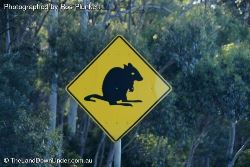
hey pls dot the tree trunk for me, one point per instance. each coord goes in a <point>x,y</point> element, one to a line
<point>72,117</point>
<point>52,31</point>
<point>191,155</point>
<point>231,138</point>
<point>207,161</point>
<point>110,155</point>
<point>107,15</point>
<point>247,13</point>
<point>84,133</point>
<point>102,154</point>
<point>99,149</point>
<point>84,18</point>
<point>61,108</point>
<point>53,103</point>
<point>231,142</point>
<point>117,155</point>
<point>129,16</point>
<point>194,146</point>
<point>8,31</point>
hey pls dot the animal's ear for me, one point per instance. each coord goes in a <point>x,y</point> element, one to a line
<point>125,66</point>
<point>130,65</point>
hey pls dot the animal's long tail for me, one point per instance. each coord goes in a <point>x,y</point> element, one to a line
<point>89,97</point>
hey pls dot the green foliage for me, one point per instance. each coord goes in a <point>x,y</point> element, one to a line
<point>186,39</point>
<point>23,129</point>
<point>151,150</point>
<point>244,159</point>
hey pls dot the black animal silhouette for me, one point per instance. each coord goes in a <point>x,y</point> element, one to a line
<point>117,82</point>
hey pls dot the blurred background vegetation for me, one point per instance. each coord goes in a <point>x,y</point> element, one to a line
<point>202,47</point>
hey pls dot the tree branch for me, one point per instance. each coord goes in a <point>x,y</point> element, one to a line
<point>131,140</point>
<point>41,23</point>
<point>236,156</point>
<point>169,63</point>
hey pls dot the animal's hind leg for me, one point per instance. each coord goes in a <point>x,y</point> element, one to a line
<point>112,103</point>
<point>132,101</point>
<point>124,104</point>
<point>124,99</point>
<point>121,104</point>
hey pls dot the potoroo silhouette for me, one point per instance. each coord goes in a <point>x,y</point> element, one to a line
<point>117,82</point>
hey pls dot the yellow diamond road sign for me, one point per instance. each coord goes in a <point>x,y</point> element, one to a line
<point>118,88</point>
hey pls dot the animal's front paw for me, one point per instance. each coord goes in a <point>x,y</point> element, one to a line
<point>128,104</point>
<point>131,89</point>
